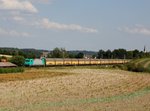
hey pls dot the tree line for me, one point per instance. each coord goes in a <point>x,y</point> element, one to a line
<point>101,54</point>
<point>122,54</point>
<point>26,53</point>
<point>63,53</point>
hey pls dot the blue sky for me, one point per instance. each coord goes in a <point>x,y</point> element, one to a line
<point>75,24</point>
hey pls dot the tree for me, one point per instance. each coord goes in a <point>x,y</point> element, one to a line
<point>70,55</point>
<point>80,55</point>
<point>59,53</point>
<point>120,53</point>
<point>94,56</point>
<point>101,54</point>
<point>64,53</point>
<point>108,54</point>
<point>56,53</point>
<point>129,54</point>
<point>18,60</point>
<point>136,53</point>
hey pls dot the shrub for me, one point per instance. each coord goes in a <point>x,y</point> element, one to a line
<point>122,67</point>
<point>18,60</point>
<point>11,70</point>
<point>138,65</point>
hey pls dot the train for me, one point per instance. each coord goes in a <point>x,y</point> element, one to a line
<point>72,62</point>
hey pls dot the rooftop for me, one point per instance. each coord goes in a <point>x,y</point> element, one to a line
<point>7,64</point>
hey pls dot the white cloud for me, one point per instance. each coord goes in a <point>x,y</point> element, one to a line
<point>45,23</point>
<point>13,33</point>
<point>17,5</point>
<point>138,29</point>
<point>42,1</point>
<point>18,18</point>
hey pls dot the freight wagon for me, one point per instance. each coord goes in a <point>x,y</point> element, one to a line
<point>60,62</point>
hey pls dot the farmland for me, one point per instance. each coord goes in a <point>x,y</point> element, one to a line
<point>75,89</point>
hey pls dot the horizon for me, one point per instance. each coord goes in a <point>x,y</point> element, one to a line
<point>75,25</point>
<point>72,49</point>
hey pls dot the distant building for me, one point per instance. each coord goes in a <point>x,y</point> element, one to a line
<point>144,49</point>
<point>7,56</point>
<point>45,54</point>
<point>87,56</point>
<point>7,64</point>
<point>4,58</point>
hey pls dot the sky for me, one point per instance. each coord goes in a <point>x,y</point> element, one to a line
<point>75,24</point>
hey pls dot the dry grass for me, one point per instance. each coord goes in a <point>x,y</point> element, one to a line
<point>30,74</point>
<point>76,89</point>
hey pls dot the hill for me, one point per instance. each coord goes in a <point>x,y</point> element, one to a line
<point>139,65</point>
<point>27,53</point>
<point>36,53</point>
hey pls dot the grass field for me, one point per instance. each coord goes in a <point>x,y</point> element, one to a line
<point>75,89</point>
<point>139,65</point>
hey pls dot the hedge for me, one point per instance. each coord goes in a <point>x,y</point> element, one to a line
<point>11,70</point>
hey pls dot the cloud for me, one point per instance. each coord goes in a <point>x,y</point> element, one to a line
<point>42,1</point>
<point>137,29</point>
<point>45,23</point>
<point>17,5</point>
<point>13,33</point>
<point>18,18</point>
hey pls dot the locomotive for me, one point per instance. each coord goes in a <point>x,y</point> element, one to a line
<point>35,62</point>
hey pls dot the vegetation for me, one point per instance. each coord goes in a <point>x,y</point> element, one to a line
<point>79,55</point>
<point>18,60</point>
<point>26,53</point>
<point>138,65</point>
<point>11,70</point>
<point>58,53</point>
<point>62,53</point>
<point>101,54</point>
<point>3,58</point>
<point>122,54</point>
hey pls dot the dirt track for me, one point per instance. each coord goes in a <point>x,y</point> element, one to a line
<point>78,90</point>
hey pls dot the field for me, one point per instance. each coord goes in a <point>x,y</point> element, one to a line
<point>75,89</point>
<point>140,65</point>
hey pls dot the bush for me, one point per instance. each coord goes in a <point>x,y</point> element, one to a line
<point>136,67</point>
<point>130,66</point>
<point>18,60</point>
<point>11,70</point>
<point>122,67</point>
